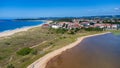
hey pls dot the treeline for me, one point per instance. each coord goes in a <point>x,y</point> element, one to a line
<point>112,22</point>
<point>115,21</point>
<point>63,20</point>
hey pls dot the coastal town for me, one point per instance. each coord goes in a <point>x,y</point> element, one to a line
<point>33,43</point>
<point>59,33</point>
<point>109,24</point>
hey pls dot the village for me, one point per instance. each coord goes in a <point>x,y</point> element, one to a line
<point>85,23</point>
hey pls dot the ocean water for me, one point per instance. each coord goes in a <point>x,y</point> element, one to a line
<point>11,25</point>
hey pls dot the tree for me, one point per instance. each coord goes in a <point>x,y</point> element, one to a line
<point>63,25</point>
<point>76,29</point>
<point>64,20</point>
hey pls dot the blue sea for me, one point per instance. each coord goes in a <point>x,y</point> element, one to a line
<point>11,25</point>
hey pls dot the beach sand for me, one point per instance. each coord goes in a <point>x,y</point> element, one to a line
<point>42,62</point>
<point>11,32</point>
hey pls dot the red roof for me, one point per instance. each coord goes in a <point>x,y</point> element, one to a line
<point>108,25</point>
<point>45,25</point>
<point>84,22</point>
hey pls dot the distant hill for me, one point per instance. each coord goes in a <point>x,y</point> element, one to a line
<point>87,17</point>
<point>56,18</point>
<point>102,17</point>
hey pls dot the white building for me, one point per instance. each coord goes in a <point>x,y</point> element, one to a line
<point>114,26</point>
<point>55,26</point>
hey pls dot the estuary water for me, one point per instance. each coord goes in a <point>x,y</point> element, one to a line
<point>101,51</point>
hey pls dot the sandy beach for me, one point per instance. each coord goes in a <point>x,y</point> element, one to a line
<point>42,62</point>
<point>11,32</point>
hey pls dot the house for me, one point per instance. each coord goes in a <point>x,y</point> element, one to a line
<point>99,25</point>
<point>77,25</point>
<point>108,26</point>
<point>114,26</point>
<point>63,24</point>
<point>76,20</point>
<point>55,26</point>
<point>46,26</point>
<point>73,25</point>
<point>85,24</point>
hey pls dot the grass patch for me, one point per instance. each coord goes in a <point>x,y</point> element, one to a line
<point>115,32</point>
<point>54,39</point>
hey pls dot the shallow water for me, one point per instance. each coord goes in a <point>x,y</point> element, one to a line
<point>95,52</point>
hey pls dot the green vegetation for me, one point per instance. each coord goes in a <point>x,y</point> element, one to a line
<point>23,48</point>
<point>59,31</point>
<point>34,52</point>
<point>63,20</point>
<point>93,29</point>
<point>115,32</point>
<point>24,51</point>
<point>10,66</point>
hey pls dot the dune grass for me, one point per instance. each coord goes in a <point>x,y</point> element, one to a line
<point>9,46</point>
<point>115,32</point>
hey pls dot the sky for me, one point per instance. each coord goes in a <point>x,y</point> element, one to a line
<point>57,8</point>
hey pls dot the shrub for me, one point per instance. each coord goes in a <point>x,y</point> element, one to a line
<point>76,29</point>
<point>10,66</point>
<point>7,43</point>
<point>61,30</point>
<point>51,43</point>
<point>93,29</point>
<point>34,52</point>
<point>1,58</point>
<point>71,32</point>
<point>24,51</point>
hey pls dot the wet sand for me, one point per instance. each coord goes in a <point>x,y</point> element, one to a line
<point>101,51</point>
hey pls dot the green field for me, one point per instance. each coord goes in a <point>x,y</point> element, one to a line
<point>40,40</point>
<point>115,32</point>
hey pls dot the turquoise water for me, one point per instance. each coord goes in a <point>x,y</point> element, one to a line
<point>11,25</point>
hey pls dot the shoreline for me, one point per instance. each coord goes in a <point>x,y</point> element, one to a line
<point>42,62</point>
<point>11,32</point>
